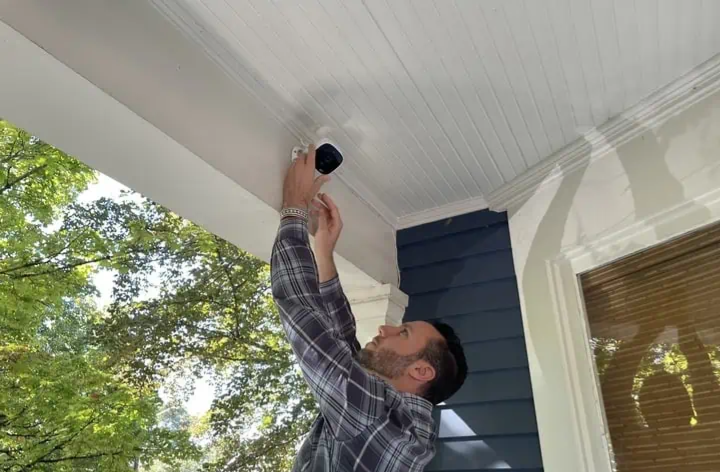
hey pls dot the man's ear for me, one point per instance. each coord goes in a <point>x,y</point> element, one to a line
<point>422,371</point>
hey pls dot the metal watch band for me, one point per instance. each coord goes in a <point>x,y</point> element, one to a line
<point>294,212</point>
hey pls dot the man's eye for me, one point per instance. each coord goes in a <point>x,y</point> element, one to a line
<point>404,332</point>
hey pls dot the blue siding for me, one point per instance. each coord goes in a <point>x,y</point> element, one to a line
<point>460,271</point>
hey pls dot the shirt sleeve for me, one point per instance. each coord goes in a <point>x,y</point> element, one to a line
<point>339,311</point>
<point>348,397</point>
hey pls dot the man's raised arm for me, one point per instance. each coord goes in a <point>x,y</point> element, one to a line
<point>329,227</point>
<point>349,398</point>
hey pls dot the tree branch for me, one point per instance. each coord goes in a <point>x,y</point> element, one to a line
<point>233,288</point>
<point>226,270</point>
<point>62,268</point>
<point>13,153</point>
<point>77,458</point>
<point>57,447</point>
<point>8,185</point>
<point>43,260</point>
<point>77,264</point>
<point>233,465</point>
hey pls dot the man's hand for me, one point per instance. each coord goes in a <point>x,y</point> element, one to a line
<point>329,227</point>
<point>300,182</point>
<point>329,224</point>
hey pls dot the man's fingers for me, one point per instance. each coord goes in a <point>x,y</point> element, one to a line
<point>318,204</point>
<point>310,157</point>
<point>328,201</point>
<point>320,215</point>
<point>318,184</point>
<point>330,204</point>
<point>319,208</point>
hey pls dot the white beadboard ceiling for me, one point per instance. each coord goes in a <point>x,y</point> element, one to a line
<point>436,103</point>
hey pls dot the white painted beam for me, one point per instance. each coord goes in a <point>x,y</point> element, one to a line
<point>114,84</point>
<point>376,306</point>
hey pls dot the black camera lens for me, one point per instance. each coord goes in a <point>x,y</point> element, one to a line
<point>327,158</point>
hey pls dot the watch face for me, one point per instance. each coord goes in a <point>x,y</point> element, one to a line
<point>327,158</point>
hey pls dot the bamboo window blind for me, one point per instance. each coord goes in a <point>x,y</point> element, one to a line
<point>654,321</point>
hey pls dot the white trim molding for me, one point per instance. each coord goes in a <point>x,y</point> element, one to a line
<point>658,107</point>
<point>379,292</point>
<point>441,212</point>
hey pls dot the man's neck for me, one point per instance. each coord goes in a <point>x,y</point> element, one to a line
<point>398,384</point>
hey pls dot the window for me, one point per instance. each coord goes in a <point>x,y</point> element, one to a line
<point>654,321</point>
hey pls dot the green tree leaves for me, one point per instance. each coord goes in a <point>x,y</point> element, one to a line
<point>64,413</point>
<point>214,316</point>
<point>62,405</point>
<point>79,387</point>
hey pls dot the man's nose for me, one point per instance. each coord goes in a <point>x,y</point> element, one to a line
<point>386,330</point>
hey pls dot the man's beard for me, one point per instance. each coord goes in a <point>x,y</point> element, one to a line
<point>384,362</point>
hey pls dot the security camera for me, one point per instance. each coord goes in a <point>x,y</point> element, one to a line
<point>327,156</point>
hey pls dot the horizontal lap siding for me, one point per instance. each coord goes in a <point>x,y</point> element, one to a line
<point>460,271</point>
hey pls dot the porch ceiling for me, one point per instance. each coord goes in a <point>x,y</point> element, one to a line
<point>438,103</point>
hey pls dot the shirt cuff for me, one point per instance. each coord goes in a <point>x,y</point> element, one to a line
<point>294,228</point>
<point>330,286</point>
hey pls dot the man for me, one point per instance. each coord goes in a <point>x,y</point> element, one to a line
<point>375,403</point>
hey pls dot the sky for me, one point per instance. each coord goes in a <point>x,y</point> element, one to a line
<point>200,401</point>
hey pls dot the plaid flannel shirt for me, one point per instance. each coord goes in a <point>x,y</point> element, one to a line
<point>364,423</point>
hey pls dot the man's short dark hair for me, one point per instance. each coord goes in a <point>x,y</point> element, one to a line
<point>448,359</point>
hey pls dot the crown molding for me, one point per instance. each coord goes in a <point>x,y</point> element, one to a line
<point>438,213</point>
<point>652,111</point>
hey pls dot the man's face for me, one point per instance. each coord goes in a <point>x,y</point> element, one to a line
<point>396,349</point>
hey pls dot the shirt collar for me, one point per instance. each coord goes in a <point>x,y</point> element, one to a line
<point>417,404</point>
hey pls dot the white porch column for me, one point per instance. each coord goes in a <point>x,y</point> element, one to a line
<point>376,306</point>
